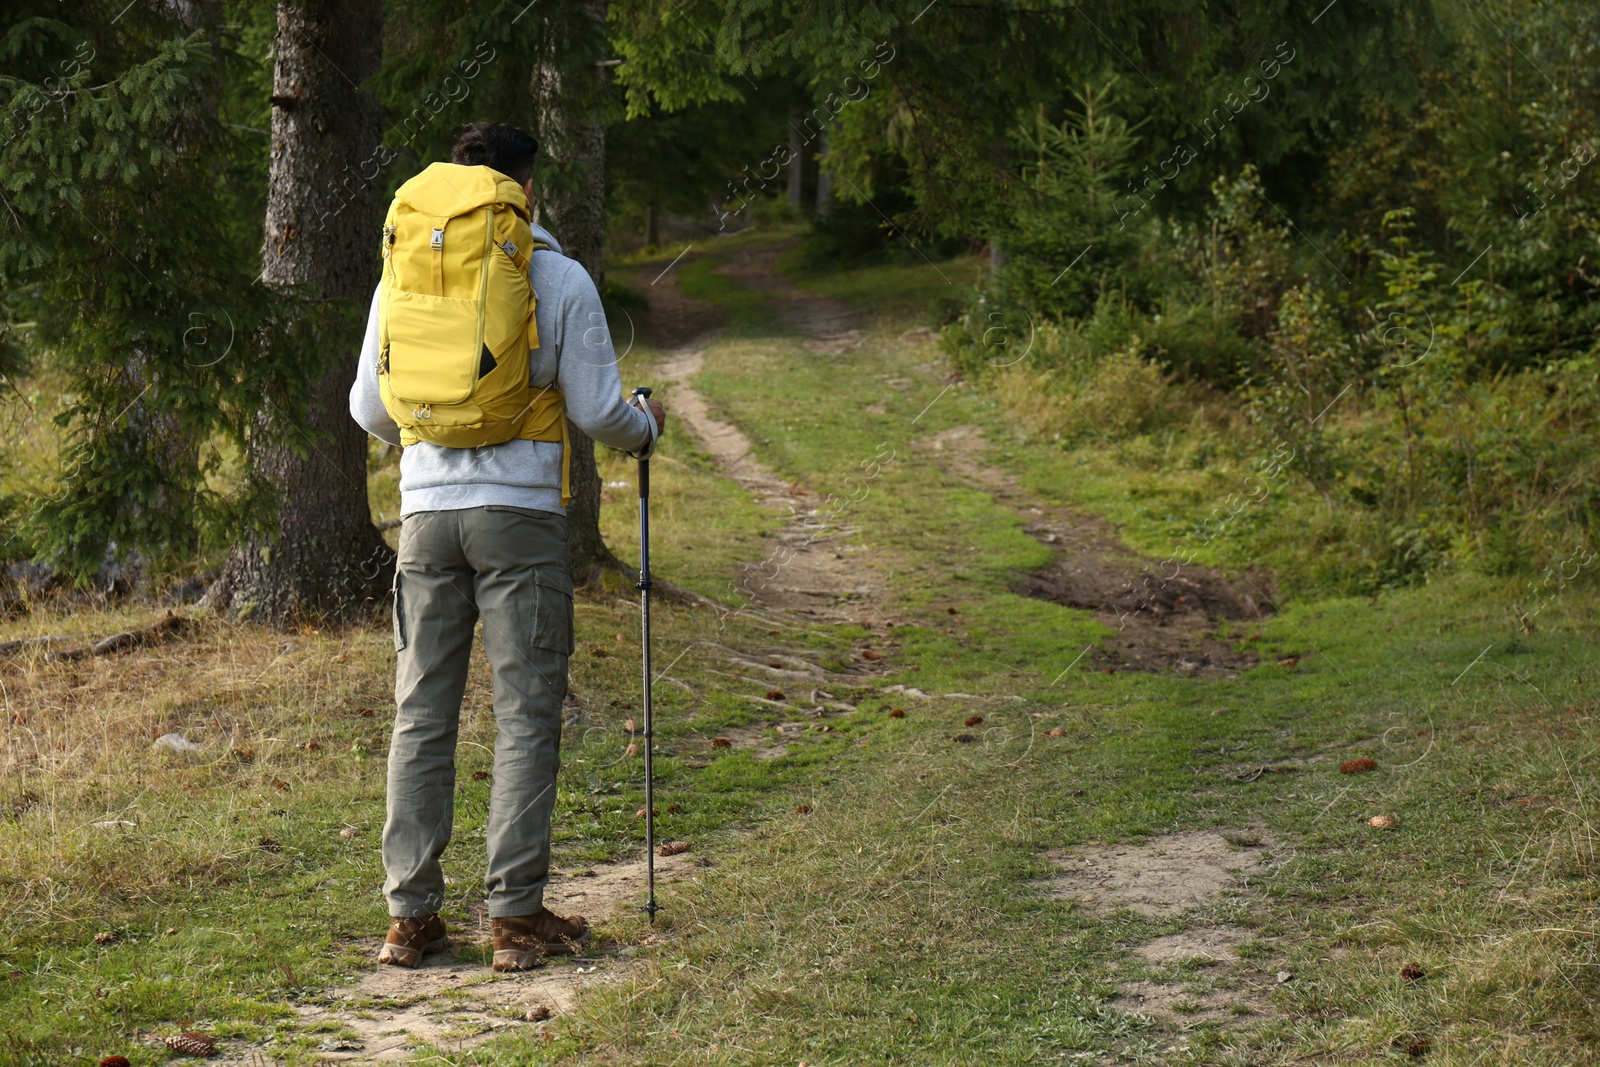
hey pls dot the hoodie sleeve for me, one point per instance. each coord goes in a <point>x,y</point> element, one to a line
<point>366,407</point>
<point>587,373</point>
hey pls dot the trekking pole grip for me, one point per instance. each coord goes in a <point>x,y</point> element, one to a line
<point>642,393</point>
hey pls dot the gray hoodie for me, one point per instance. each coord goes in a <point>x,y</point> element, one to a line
<point>574,352</point>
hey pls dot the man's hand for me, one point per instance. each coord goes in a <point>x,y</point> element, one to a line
<point>659,412</point>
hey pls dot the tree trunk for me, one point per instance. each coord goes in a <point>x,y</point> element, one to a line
<point>824,179</point>
<point>326,557</point>
<point>567,98</point>
<point>797,159</point>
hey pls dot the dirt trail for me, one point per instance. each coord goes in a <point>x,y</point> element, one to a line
<point>810,568</point>
<point>1167,618</point>
<point>1164,621</point>
<point>454,1000</point>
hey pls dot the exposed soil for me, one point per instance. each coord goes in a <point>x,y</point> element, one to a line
<point>1213,944</point>
<point>454,1000</point>
<point>1191,978</point>
<point>1166,617</point>
<point>1160,877</point>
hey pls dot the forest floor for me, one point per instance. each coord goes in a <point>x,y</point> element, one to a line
<point>968,769</point>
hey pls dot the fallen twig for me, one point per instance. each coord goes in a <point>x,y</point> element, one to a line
<point>168,625</point>
<point>24,644</point>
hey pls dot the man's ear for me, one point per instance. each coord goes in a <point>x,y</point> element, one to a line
<point>527,189</point>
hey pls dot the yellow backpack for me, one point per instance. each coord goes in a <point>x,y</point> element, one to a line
<point>456,315</point>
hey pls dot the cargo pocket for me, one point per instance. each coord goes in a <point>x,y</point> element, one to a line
<point>399,614</point>
<point>552,616</point>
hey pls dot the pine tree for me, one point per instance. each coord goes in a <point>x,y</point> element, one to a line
<point>324,556</point>
<point>118,250</point>
<point>569,96</point>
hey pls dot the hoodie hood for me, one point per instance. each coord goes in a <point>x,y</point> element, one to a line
<point>542,234</point>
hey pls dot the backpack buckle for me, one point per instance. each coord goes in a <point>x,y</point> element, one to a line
<point>509,248</point>
<point>438,239</point>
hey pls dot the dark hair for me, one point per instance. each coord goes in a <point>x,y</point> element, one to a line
<point>494,144</point>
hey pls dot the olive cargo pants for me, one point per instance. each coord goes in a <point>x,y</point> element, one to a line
<point>509,566</point>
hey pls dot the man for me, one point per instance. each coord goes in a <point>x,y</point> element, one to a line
<point>484,534</point>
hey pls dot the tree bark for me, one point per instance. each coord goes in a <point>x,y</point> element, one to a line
<point>797,157</point>
<point>567,90</point>
<point>326,558</point>
<point>824,179</point>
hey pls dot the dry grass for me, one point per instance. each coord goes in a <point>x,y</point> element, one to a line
<point>76,750</point>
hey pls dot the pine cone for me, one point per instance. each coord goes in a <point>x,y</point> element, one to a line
<point>192,1044</point>
<point>672,848</point>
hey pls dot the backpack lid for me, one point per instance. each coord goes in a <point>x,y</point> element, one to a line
<point>445,190</point>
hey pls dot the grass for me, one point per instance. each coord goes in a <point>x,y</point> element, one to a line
<point>901,917</point>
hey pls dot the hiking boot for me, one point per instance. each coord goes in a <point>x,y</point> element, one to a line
<point>523,941</point>
<point>409,938</point>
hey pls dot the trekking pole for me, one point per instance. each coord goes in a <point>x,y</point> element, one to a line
<point>643,394</point>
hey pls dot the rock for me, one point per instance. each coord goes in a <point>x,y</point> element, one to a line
<point>1285,976</point>
<point>177,744</point>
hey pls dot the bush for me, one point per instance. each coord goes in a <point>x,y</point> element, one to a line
<point>1121,396</point>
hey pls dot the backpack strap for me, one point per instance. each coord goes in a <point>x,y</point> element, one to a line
<point>503,232</point>
<point>504,237</point>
